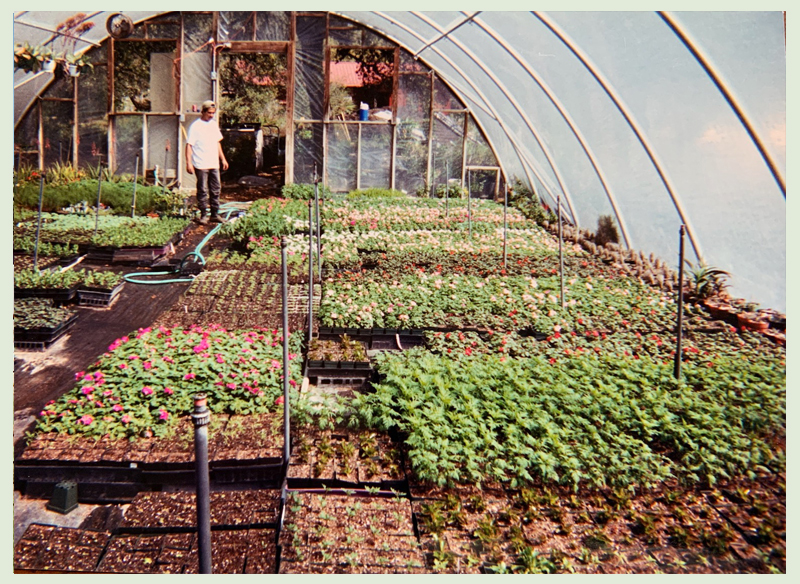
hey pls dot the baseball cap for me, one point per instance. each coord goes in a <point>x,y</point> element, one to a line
<point>207,105</point>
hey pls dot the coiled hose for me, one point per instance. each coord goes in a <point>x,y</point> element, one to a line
<point>226,209</point>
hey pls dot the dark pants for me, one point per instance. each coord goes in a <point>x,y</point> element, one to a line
<point>208,181</point>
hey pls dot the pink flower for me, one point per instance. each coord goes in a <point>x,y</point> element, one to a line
<point>147,365</point>
<point>275,364</point>
<point>279,400</point>
<point>98,374</point>
<point>108,392</point>
<point>189,376</point>
<point>133,357</point>
<point>292,382</point>
<point>147,390</point>
<point>220,359</point>
<point>117,408</point>
<point>123,366</point>
<point>230,385</point>
<point>87,389</point>
<point>86,420</point>
<point>163,414</point>
<point>168,390</point>
<point>125,419</point>
<point>169,359</point>
<point>79,375</point>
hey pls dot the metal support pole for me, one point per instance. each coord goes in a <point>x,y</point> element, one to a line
<point>316,213</point>
<point>166,153</point>
<point>38,226</point>
<point>678,347</point>
<point>201,417</point>
<point>310,273</point>
<point>560,251</point>
<point>135,180</point>
<point>97,209</point>
<point>505,226</point>
<point>469,205</point>
<point>447,189</point>
<point>284,293</point>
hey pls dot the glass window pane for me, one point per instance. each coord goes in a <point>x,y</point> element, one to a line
<point>307,152</point>
<point>376,156</point>
<point>92,118</point>
<point>127,143</point>
<point>341,157</point>
<point>57,117</point>
<point>144,79</point>
<point>411,157</point>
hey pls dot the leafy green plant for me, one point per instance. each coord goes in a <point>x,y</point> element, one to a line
<point>35,313</point>
<point>706,281</point>
<point>304,192</point>
<point>374,193</point>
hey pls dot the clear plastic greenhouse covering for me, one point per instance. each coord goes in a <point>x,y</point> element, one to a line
<point>655,118</point>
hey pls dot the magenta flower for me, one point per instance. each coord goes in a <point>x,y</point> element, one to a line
<point>125,419</point>
<point>147,365</point>
<point>117,408</point>
<point>169,359</point>
<point>133,357</point>
<point>147,390</point>
<point>279,400</point>
<point>87,389</point>
<point>168,390</point>
<point>230,385</point>
<point>163,414</point>
<point>292,382</point>
<point>108,392</point>
<point>86,420</point>
<point>123,365</point>
<point>189,376</point>
<point>79,375</point>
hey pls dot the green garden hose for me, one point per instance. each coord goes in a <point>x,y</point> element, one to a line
<point>226,209</point>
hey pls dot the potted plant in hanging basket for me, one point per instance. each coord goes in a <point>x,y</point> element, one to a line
<point>75,63</point>
<point>33,58</point>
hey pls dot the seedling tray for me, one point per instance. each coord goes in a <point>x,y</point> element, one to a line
<point>57,295</point>
<point>98,296</point>
<point>41,338</point>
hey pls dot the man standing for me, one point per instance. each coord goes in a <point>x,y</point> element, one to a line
<point>203,157</point>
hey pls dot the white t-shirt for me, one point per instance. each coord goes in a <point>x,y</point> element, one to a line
<point>204,138</point>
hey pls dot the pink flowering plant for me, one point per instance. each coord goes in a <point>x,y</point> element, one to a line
<point>147,380</point>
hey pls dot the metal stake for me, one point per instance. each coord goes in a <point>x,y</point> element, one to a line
<point>201,417</point>
<point>678,347</point>
<point>310,274</point>
<point>469,204</point>
<point>560,251</point>
<point>284,290</point>
<point>447,188</point>
<point>38,226</point>
<point>316,212</point>
<point>97,209</point>
<point>135,180</point>
<point>505,226</point>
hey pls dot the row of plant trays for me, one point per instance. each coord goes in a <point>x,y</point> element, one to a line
<point>41,338</point>
<point>83,296</point>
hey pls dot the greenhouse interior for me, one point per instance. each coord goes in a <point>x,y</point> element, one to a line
<point>481,292</point>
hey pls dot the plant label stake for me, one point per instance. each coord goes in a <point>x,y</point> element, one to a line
<point>310,273</point>
<point>135,180</point>
<point>678,347</point>
<point>201,416</point>
<point>38,226</point>
<point>560,250</point>
<point>284,292</point>
<point>97,209</point>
